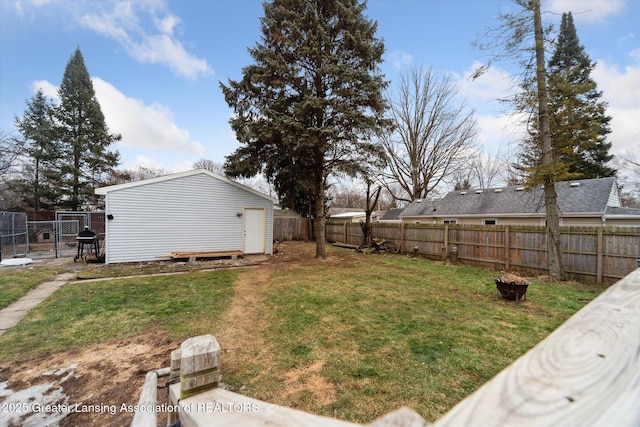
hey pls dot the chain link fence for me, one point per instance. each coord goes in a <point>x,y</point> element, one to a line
<point>14,234</point>
<point>46,239</point>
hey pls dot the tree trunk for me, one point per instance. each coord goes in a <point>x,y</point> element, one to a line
<point>372,200</point>
<point>556,269</point>
<point>321,247</point>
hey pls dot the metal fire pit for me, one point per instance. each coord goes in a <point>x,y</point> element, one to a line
<point>512,291</point>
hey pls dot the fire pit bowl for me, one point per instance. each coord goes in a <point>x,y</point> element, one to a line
<point>511,290</point>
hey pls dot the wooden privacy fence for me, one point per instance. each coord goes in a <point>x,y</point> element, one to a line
<point>590,254</point>
<point>291,228</point>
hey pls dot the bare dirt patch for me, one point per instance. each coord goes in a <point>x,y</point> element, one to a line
<point>309,379</point>
<point>97,379</point>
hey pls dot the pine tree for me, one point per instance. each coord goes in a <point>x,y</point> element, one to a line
<point>577,115</point>
<point>521,37</point>
<point>579,124</point>
<point>308,106</point>
<point>39,169</point>
<point>84,137</point>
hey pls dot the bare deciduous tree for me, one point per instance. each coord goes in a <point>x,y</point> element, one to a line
<point>143,172</point>
<point>482,171</point>
<point>432,136</point>
<point>630,164</point>
<point>10,148</point>
<point>209,165</point>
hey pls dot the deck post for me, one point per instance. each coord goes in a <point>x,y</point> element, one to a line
<point>199,365</point>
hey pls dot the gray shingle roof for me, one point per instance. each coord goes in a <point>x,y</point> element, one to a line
<point>574,197</point>
<point>392,214</point>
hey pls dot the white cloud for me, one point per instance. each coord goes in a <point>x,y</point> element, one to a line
<point>151,43</point>
<point>621,90</point>
<point>49,90</point>
<point>400,59</point>
<point>150,127</point>
<point>492,85</point>
<point>588,10</point>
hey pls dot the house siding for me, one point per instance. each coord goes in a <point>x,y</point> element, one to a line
<point>626,222</point>
<point>189,213</point>
<point>582,222</point>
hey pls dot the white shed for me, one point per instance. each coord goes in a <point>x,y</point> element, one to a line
<point>194,211</point>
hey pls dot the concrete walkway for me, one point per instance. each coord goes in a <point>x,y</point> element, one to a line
<point>14,313</point>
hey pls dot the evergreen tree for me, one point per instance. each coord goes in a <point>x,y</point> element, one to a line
<point>39,170</point>
<point>308,106</point>
<point>579,124</point>
<point>84,137</point>
<point>577,116</point>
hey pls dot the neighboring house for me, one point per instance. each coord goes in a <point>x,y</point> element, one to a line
<point>392,215</point>
<point>194,211</point>
<point>354,216</point>
<point>587,202</point>
<point>348,217</point>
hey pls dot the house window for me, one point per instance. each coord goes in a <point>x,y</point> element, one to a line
<point>417,222</point>
<point>46,236</point>
<point>450,221</point>
<point>489,221</point>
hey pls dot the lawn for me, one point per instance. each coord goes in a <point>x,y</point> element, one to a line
<point>14,283</point>
<point>353,337</point>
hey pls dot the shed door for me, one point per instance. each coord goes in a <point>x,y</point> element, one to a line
<point>254,231</point>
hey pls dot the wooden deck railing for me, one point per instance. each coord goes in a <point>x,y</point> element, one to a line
<point>586,373</point>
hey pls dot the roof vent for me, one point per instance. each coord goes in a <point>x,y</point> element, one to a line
<point>574,184</point>
<point>462,193</point>
<point>418,200</point>
<point>520,189</point>
<point>478,191</point>
<point>498,190</point>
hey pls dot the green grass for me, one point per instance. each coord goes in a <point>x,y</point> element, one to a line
<point>15,283</point>
<point>81,314</point>
<point>394,331</point>
<point>353,337</point>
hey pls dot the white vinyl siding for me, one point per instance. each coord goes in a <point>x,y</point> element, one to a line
<point>189,213</point>
<point>614,197</point>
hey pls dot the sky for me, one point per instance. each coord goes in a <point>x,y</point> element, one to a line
<point>157,65</point>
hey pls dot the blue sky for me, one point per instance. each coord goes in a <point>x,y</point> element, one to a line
<point>156,65</point>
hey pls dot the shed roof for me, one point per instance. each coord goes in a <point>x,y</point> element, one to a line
<point>102,191</point>
<point>349,215</point>
<point>587,196</point>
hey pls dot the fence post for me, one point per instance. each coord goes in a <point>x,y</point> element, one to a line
<point>599,253</point>
<point>507,250</point>
<point>446,242</point>
<point>401,245</point>
<point>199,365</point>
<point>344,232</point>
